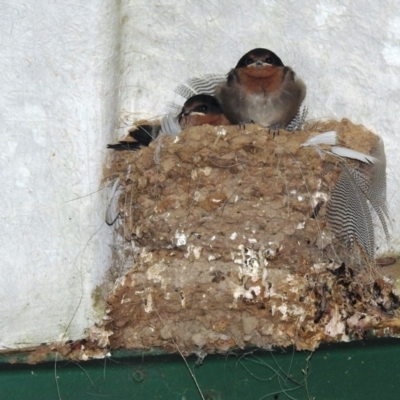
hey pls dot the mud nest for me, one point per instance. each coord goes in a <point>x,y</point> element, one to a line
<point>231,246</point>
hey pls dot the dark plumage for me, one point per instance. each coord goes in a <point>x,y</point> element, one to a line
<point>261,89</point>
<point>198,110</point>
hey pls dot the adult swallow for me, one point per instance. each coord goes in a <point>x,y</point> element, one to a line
<point>198,110</point>
<point>261,89</point>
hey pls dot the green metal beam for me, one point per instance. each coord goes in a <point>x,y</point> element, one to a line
<point>358,370</point>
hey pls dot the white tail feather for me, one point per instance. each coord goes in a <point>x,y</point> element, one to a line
<point>329,138</point>
<point>354,154</point>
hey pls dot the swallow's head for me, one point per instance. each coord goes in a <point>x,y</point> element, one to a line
<point>201,109</point>
<point>201,104</point>
<point>259,58</point>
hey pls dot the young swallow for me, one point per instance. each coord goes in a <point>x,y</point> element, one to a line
<point>201,109</point>
<point>198,110</point>
<point>261,89</point>
<point>143,134</point>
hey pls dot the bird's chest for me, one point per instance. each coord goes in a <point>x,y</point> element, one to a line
<point>262,108</point>
<point>261,88</point>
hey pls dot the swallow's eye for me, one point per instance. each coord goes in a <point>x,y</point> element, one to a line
<point>249,61</point>
<point>269,60</point>
<point>203,108</point>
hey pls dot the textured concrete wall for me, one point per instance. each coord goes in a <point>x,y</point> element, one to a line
<point>58,110</point>
<point>74,76</point>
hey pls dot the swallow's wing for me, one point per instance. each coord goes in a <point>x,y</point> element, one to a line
<point>170,125</point>
<point>124,145</point>
<point>145,134</point>
<point>298,121</point>
<point>205,84</point>
<point>200,85</point>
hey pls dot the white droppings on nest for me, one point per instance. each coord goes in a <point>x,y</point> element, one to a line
<point>252,240</point>
<point>211,258</point>
<point>212,238</point>
<point>269,291</point>
<point>222,132</point>
<point>294,289</point>
<point>290,278</point>
<point>217,201</point>
<point>270,253</point>
<point>181,238</point>
<point>269,287</point>
<point>252,292</point>
<point>195,250</point>
<point>206,171</point>
<point>148,306</point>
<point>126,299</point>
<point>109,309</point>
<point>195,172</point>
<point>336,327</point>
<point>319,267</point>
<point>317,197</point>
<point>301,225</point>
<point>176,140</point>
<point>155,271</point>
<point>249,294</point>
<point>196,196</point>
<point>233,236</point>
<point>300,198</point>
<point>252,263</point>
<point>236,198</point>
<point>296,311</point>
<point>100,335</point>
<point>283,310</point>
<point>146,256</point>
<point>183,299</point>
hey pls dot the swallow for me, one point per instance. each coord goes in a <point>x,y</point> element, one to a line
<point>198,110</point>
<point>201,109</point>
<point>143,135</point>
<point>260,89</point>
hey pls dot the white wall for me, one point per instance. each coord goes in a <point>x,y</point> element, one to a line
<point>58,110</point>
<point>74,75</point>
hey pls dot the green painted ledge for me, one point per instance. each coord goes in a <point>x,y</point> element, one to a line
<point>357,370</point>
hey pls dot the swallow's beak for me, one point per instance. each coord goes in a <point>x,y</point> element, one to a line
<point>183,114</point>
